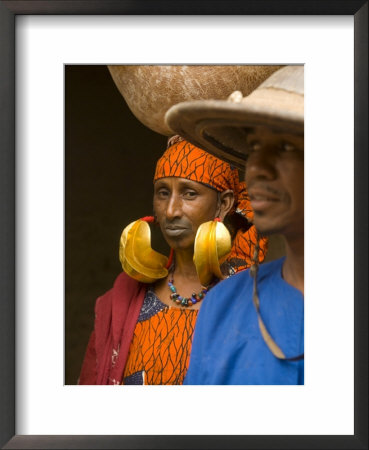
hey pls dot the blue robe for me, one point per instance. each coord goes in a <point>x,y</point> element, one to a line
<point>228,347</point>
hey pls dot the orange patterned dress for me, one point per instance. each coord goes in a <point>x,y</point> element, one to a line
<point>161,344</point>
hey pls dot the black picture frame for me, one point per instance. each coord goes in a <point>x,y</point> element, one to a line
<point>8,11</point>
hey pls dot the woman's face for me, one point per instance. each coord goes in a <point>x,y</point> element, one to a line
<point>181,206</point>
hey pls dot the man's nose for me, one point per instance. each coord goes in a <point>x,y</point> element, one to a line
<point>174,208</point>
<point>261,164</point>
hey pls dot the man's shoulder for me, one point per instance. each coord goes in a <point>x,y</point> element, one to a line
<point>240,278</point>
<point>231,287</point>
<point>239,287</point>
<point>244,277</point>
<point>271,268</point>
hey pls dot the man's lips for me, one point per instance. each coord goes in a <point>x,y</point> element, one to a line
<point>262,198</point>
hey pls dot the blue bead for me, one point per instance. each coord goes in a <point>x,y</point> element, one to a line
<point>173,289</point>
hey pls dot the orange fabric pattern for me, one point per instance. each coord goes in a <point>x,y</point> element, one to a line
<point>243,247</point>
<point>244,243</point>
<point>187,161</point>
<point>161,347</point>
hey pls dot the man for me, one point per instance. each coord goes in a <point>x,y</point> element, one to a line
<point>250,329</point>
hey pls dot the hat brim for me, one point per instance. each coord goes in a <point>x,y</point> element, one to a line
<point>221,127</point>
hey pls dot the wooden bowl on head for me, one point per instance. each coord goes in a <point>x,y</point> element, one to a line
<point>151,90</point>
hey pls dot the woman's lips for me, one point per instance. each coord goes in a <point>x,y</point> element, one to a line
<point>174,231</point>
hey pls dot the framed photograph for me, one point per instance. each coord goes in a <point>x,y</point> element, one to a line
<point>54,83</point>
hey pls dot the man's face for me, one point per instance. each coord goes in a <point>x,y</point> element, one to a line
<point>181,206</point>
<point>275,181</point>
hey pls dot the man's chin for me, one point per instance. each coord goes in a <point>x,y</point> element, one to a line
<point>267,224</point>
<point>261,226</point>
<point>265,229</point>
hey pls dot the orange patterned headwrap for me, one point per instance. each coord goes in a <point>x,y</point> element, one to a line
<point>187,161</point>
<point>184,160</point>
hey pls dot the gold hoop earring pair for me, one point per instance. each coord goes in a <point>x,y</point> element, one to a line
<point>141,262</point>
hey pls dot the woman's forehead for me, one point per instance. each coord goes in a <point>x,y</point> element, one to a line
<point>181,183</point>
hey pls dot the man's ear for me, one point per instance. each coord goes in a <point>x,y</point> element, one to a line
<point>226,200</point>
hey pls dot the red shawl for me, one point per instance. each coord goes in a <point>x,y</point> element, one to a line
<point>116,314</point>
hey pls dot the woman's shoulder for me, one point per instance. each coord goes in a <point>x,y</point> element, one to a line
<point>124,287</point>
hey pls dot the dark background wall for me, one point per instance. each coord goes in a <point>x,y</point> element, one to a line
<point>109,165</point>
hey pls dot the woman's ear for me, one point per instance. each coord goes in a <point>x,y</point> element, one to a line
<point>226,200</point>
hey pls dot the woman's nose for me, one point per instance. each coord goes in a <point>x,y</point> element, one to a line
<point>174,208</point>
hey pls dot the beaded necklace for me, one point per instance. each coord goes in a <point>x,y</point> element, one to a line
<point>184,301</point>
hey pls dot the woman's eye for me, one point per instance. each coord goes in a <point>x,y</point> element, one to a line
<point>162,193</point>
<point>190,194</point>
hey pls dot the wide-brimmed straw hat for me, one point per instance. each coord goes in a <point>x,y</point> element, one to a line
<point>221,126</point>
<point>150,90</point>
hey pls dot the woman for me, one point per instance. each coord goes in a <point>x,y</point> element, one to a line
<point>143,329</point>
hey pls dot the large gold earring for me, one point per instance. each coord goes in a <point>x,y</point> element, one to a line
<point>212,244</point>
<point>138,259</point>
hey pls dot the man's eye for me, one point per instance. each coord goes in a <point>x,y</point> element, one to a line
<point>254,146</point>
<point>288,147</point>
